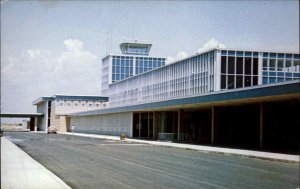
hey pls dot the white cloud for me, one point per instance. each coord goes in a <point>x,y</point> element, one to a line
<point>73,44</point>
<point>33,53</point>
<point>78,70</point>
<point>180,55</point>
<point>212,43</point>
<point>37,72</point>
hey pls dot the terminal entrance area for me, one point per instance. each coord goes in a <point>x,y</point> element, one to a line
<point>143,125</point>
<point>267,126</point>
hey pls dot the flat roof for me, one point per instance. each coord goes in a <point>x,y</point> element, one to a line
<point>132,55</point>
<point>248,94</point>
<point>21,115</point>
<point>69,97</point>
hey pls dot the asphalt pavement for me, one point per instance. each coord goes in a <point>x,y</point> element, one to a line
<point>83,162</point>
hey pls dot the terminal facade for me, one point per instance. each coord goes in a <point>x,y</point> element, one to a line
<point>222,97</point>
<point>56,109</point>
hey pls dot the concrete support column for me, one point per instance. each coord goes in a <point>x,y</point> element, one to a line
<point>31,124</point>
<point>140,124</point>
<point>180,124</point>
<point>148,124</point>
<point>212,124</point>
<point>261,124</point>
<point>35,123</point>
<point>155,125</point>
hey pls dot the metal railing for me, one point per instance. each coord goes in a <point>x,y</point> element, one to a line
<point>173,136</point>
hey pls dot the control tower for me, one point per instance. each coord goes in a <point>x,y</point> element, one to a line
<point>135,48</point>
<point>134,60</point>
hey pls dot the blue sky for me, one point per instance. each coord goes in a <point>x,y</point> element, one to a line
<point>55,47</point>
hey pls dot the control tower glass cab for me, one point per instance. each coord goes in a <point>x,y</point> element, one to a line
<point>135,48</point>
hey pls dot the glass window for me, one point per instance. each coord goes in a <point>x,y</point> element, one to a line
<point>279,65</point>
<point>296,56</point>
<point>239,53</point>
<point>265,64</point>
<point>230,81</point>
<point>224,52</point>
<point>272,64</point>
<point>231,65</point>
<point>223,64</point>
<point>296,63</point>
<point>223,82</point>
<point>288,55</point>
<point>265,80</point>
<point>247,66</point>
<point>280,55</point>
<point>272,73</point>
<point>280,79</point>
<point>239,65</point>
<point>255,54</point>
<point>230,53</point>
<point>280,74</point>
<point>255,80</point>
<point>248,53</point>
<point>272,55</point>
<point>296,75</point>
<point>247,81</point>
<point>255,66</point>
<point>239,81</point>
<point>288,63</point>
<point>265,55</point>
<point>150,64</point>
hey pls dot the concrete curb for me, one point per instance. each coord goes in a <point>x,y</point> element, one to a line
<point>19,170</point>
<point>244,153</point>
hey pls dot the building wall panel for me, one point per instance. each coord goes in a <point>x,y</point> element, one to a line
<point>108,124</point>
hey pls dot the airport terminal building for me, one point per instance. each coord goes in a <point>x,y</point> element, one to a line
<point>56,109</point>
<point>223,97</point>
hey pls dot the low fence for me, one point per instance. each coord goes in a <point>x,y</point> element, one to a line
<point>101,132</point>
<point>173,136</point>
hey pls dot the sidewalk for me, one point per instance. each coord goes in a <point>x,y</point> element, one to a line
<point>244,153</point>
<point>20,171</point>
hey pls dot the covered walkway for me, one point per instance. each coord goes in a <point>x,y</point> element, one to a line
<point>33,118</point>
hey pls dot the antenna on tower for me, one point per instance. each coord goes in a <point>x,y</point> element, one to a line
<point>107,42</point>
<point>110,47</point>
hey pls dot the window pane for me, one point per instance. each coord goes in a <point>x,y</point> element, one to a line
<point>288,63</point>
<point>265,64</point>
<point>272,64</point>
<point>239,81</point>
<point>248,53</point>
<point>279,65</point>
<point>239,65</point>
<point>247,81</point>
<point>239,53</point>
<point>223,82</point>
<point>255,80</point>
<point>230,81</point>
<point>248,66</point>
<point>255,66</point>
<point>231,65</point>
<point>223,64</point>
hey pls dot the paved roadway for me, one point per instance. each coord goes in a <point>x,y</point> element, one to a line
<point>94,163</point>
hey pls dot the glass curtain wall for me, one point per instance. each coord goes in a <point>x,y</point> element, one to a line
<point>279,67</point>
<point>238,69</point>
